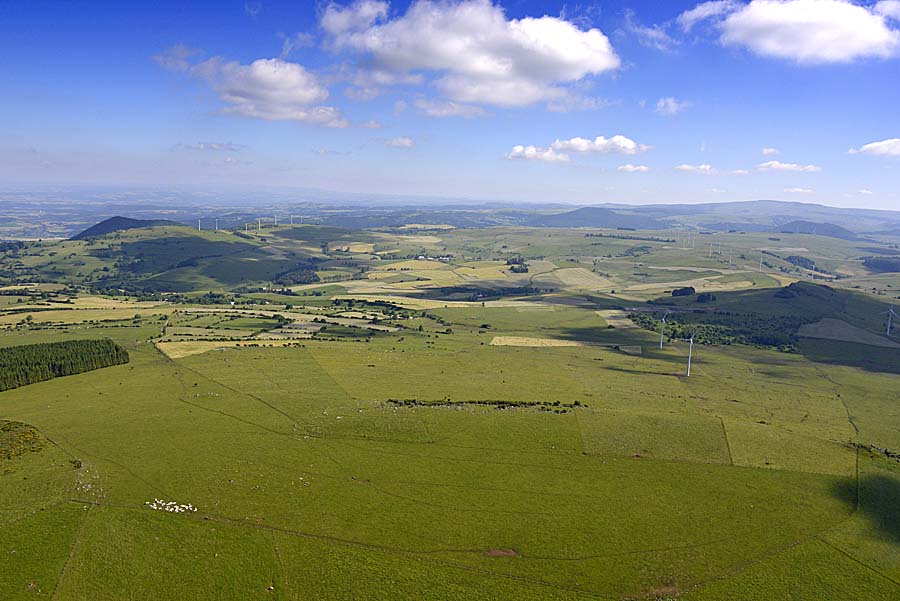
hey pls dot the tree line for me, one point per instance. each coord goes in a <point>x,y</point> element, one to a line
<point>30,363</point>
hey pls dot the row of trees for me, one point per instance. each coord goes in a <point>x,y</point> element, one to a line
<point>30,363</point>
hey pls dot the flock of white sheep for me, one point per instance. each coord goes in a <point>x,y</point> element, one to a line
<point>170,506</point>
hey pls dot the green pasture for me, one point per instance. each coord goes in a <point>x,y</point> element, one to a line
<point>765,475</point>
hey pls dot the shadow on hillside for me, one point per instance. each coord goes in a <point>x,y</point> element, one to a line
<point>869,358</point>
<point>879,503</point>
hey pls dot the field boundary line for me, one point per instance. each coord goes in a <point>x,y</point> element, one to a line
<point>280,563</point>
<point>75,542</point>
<point>862,563</point>
<point>226,386</point>
<point>778,551</point>
<point>727,444</point>
<point>33,513</point>
<point>374,547</point>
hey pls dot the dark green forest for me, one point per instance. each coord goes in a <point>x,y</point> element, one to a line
<point>27,364</point>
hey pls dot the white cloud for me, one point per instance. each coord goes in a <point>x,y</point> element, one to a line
<point>811,31</point>
<point>363,94</point>
<point>271,89</point>
<point>475,53</point>
<point>779,166</point>
<point>629,168</point>
<point>252,9</point>
<point>804,31</point>
<point>617,144</point>
<point>706,10</point>
<point>740,172</point>
<point>889,147</point>
<point>215,146</point>
<point>769,152</point>
<point>716,190</point>
<point>533,153</point>
<point>401,142</point>
<point>176,58</point>
<point>670,106</point>
<point>889,9</point>
<point>866,191</point>
<point>448,108</point>
<point>702,169</point>
<point>362,14</point>
<point>370,124</point>
<point>289,43</point>
<point>653,36</point>
<point>574,102</point>
<point>799,191</point>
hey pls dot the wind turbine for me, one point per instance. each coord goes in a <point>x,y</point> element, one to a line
<point>662,329</point>
<point>891,315</point>
<point>690,356</point>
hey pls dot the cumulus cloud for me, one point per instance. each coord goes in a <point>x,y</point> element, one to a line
<point>617,144</point>
<point>803,31</point>
<point>740,172</point>
<point>370,124</point>
<point>448,108</point>
<point>701,169</point>
<point>338,20</point>
<point>799,190</point>
<point>889,9</point>
<point>629,168</point>
<point>779,166</point>
<point>533,153</point>
<point>670,106</point>
<point>401,142</point>
<point>769,152</point>
<point>889,147</point>
<point>866,191</point>
<point>272,89</point>
<point>473,53</point>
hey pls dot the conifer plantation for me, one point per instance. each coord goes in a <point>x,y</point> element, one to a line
<point>30,363</point>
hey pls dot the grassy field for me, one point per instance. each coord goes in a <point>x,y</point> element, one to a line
<point>402,452</point>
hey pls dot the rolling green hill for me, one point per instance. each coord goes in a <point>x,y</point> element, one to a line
<point>118,224</point>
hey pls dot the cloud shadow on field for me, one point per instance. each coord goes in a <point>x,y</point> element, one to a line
<point>879,503</point>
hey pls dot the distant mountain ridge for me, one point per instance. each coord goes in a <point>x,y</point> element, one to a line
<point>118,224</point>
<point>597,217</point>
<point>819,229</point>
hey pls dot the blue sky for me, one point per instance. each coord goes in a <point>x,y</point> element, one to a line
<point>579,102</point>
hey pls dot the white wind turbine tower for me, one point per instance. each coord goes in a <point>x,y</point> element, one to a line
<point>690,353</point>
<point>891,315</point>
<point>662,329</point>
<point>690,356</point>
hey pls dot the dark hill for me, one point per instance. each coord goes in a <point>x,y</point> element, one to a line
<point>118,224</point>
<point>597,217</point>
<point>820,229</point>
